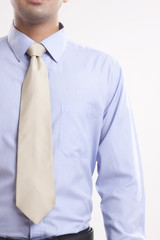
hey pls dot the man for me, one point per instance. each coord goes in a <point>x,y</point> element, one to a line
<point>64,108</point>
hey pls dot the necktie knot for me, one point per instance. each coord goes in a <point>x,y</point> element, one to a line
<point>36,49</point>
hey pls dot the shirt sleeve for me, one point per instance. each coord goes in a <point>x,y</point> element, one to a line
<point>120,178</point>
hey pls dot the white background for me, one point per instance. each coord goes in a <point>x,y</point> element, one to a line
<point>129,30</point>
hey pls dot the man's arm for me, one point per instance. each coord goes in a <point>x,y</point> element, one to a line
<point>120,177</point>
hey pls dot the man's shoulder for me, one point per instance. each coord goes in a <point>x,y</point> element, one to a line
<point>3,40</point>
<point>88,53</point>
<point>85,49</point>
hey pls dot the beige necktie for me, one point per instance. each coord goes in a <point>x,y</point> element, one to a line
<point>35,189</point>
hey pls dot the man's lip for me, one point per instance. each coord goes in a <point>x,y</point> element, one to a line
<point>36,1</point>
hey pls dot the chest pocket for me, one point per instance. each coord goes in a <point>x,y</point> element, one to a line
<point>79,124</point>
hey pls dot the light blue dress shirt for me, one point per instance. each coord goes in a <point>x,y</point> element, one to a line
<point>92,123</point>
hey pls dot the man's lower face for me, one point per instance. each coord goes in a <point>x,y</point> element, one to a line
<point>37,9</point>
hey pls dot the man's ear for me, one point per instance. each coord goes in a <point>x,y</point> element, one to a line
<point>65,1</point>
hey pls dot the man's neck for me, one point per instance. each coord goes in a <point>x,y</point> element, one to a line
<point>37,32</point>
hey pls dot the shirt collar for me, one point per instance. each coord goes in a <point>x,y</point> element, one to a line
<point>55,43</point>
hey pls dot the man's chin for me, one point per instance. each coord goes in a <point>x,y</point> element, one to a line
<point>35,16</point>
